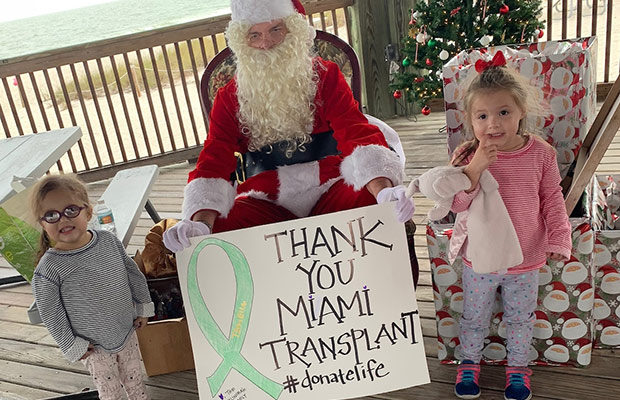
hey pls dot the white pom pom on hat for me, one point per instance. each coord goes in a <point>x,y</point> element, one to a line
<point>259,11</point>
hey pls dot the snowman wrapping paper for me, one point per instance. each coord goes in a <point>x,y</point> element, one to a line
<point>603,208</point>
<point>564,325</point>
<point>563,73</point>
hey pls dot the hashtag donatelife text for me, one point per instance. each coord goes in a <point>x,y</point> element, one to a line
<point>322,259</point>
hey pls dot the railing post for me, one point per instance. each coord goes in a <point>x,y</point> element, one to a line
<point>374,25</point>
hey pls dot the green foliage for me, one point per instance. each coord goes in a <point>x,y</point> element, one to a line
<point>453,26</point>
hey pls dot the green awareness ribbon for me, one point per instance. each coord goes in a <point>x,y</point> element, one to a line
<point>228,349</point>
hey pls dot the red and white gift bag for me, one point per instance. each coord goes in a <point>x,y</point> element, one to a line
<point>564,72</point>
<point>564,326</point>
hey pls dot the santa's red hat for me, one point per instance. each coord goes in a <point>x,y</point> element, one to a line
<point>498,317</point>
<point>454,289</point>
<point>582,287</point>
<point>606,269</point>
<point>605,323</point>
<point>581,342</point>
<point>556,286</point>
<point>541,315</point>
<point>442,314</point>
<point>259,11</point>
<point>557,341</point>
<point>565,316</point>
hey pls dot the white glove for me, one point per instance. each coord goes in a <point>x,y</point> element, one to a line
<point>404,205</point>
<point>177,237</point>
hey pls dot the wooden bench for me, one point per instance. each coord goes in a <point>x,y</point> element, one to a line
<point>127,195</point>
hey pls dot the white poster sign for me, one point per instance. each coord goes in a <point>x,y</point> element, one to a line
<point>315,308</point>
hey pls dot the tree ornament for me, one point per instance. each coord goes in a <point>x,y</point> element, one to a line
<point>412,21</point>
<point>455,11</point>
<point>504,9</point>
<point>485,40</point>
<point>431,43</point>
<point>429,62</point>
<point>540,33</point>
<point>426,110</point>
<point>406,62</point>
<point>443,55</point>
<point>420,38</point>
<point>418,79</point>
<point>398,94</point>
<point>416,15</point>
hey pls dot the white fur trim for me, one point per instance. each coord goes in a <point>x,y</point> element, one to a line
<point>366,163</point>
<point>255,194</point>
<point>300,187</point>
<point>391,137</point>
<point>208,193</point>
<point>258,11</point>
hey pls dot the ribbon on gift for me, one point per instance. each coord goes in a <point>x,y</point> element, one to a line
<point>228,349</point>
<point>498,60</point>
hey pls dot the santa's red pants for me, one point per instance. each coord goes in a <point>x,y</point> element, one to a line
<point>248,211</point>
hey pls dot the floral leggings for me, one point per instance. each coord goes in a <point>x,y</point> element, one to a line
<point>112,372</point>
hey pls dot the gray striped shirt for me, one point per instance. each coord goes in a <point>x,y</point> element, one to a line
<point>91,295</point>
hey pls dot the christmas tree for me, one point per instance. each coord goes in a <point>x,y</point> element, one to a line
<point>440,29</point>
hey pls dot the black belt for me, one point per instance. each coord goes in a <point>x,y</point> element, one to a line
<point>273,156</point>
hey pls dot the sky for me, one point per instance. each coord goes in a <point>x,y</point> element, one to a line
<point>12,10</point>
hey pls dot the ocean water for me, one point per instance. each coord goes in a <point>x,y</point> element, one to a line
<point>102,21</point>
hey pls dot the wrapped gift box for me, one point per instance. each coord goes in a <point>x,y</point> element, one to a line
<point>562,71</point>
<point>603,208</point>
<point>564,326</point>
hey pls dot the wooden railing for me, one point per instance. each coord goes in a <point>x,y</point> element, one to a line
<point>135,97</point>
<point>576,18</point>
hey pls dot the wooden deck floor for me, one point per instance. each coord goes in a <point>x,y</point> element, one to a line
<point>31,367</point>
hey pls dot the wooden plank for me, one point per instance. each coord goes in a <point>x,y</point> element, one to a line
<point>369,38</point>
<point>11,391</point>
<point>600,138</point>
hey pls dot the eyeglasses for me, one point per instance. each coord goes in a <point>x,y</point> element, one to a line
<point>53,216</point>
<point>274,36</point>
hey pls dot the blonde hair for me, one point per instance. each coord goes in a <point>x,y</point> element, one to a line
<point>276,87</point>
<point>523,93</point>
<point>68,183</point>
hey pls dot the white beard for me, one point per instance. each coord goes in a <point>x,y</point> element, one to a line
<point>276,87</point>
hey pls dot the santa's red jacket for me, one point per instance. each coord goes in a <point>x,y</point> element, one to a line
<point>363,156</point>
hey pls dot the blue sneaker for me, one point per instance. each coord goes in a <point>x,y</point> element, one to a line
<point>467,374</point>
<point>518,383</point>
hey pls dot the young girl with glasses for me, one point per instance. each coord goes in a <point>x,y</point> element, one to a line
<point>89,292</point>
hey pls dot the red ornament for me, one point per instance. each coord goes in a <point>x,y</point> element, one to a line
<point>504,9</point>
<point>398,94</point>
<point>429,62</point>
<point>418,79</point>
<point>426,110</point>
<point>412,21</point>
<point>455,11</point>
<point>541,33</point>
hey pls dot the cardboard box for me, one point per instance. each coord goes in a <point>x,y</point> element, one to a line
<point>165,346</point>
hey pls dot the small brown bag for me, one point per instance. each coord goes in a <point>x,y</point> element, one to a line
<point>158,260</point>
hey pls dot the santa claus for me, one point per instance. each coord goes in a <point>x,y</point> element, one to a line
<point>305,147</point>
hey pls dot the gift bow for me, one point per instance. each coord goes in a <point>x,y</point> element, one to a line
<point>498,61</point>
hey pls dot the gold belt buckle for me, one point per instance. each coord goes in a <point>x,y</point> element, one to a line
<point>240,162</point>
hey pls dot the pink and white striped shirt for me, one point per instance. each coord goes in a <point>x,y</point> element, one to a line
<point>529,184</point>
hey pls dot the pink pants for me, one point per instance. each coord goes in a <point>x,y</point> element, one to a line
<point>112,372</point>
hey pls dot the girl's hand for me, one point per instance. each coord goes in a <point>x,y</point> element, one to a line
<point>485,155</point>
<point>556,257</point>
<point>89,351</point>
<point>140,322</point>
